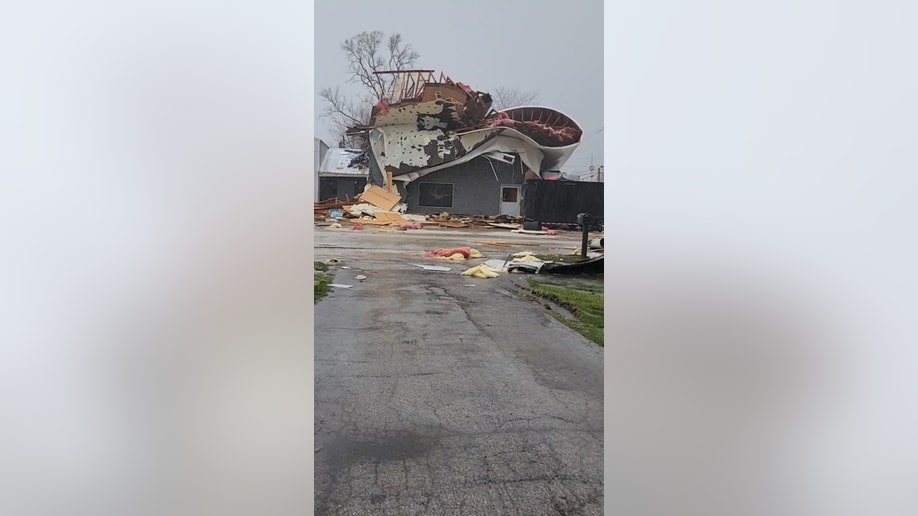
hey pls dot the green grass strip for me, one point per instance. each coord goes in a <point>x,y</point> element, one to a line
<point>583,301</point>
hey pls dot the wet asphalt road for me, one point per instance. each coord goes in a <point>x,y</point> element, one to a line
<point>433,396</point>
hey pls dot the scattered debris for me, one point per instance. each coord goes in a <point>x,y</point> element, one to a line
<point>504,226</point>
<point>360,277</point>
<point>438,268</point>
<point>339,285</point>
<point>334,226</point>
<point>331,260</point>
<point>592,265</point>
<point>388,217</point>
<point>533,267</point>
<point>529,232</point>
<point>411,225</point>
<point>463,252</point>
<point>481,271</point>
<point>497,265</point>
<point>363,208</point>
<point>526,259</point>
<point>357,226</point>
<point>412,217</point>
<point>336,214</point>
<point>452,224</point>
<point>507,244</point>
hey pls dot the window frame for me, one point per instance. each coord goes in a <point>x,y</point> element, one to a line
<point>452,195</point>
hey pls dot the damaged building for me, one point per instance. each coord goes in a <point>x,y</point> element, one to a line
<point>440,145</point>
<point>343,174</point>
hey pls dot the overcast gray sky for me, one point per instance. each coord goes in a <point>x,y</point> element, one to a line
<point>485,44</point>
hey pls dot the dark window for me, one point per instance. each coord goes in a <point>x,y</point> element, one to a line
<point>509,194</point>
<point>328,188</point>
<point>436,195</point>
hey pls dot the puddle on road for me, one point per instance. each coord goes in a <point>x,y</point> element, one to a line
<point>402,446</point>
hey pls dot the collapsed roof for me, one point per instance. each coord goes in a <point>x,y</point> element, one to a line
<point>429,123</point>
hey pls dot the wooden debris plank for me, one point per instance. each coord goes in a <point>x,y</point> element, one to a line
<point>389,217</point>
<point>371,222</point>
<point>507,244</point>
<point>380,198</point>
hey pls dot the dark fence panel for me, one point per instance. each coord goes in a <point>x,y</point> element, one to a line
<point>561,201</point>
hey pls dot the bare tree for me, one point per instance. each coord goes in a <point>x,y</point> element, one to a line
<point>367,52</point>
<point>504,98</point>
<point>370,52</point>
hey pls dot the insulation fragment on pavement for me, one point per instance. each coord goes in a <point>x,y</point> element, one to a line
<point>480,271</point>
<point>464,252</point>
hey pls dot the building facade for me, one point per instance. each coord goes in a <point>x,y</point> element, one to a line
<point>481,186</point>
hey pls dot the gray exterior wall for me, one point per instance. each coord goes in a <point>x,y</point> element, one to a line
<point>475,190</point>
<point>342,188</point>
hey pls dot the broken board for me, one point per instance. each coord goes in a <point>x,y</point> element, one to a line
<point>505,244</point>
<point>391,217</point>
<point>385,218</point>
<point>380,198</point>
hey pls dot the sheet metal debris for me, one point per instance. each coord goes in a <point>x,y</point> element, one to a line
<point>438,268</point>
<point>427,123</point>
<point>497,264</point>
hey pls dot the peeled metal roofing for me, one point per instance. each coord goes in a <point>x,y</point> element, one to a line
<point>337,162</point>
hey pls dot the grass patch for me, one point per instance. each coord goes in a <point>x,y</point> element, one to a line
<point>321,281</point>
<point>583,300</point>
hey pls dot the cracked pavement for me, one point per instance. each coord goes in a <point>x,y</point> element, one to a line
<point>436,397</point>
